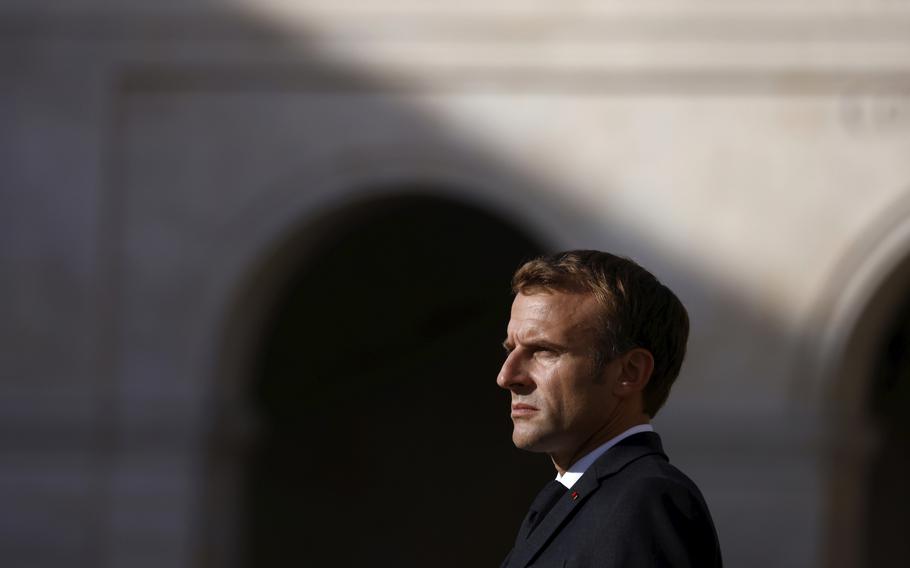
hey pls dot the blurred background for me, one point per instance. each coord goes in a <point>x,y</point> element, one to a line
<point>256,260</point>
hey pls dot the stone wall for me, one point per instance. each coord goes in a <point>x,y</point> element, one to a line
<point>753,155</point>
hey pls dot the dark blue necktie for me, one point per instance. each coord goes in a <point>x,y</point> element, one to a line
<point>545,500</point>
<point>542,504</point>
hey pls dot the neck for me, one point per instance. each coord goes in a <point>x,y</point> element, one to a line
<point>609,430</point>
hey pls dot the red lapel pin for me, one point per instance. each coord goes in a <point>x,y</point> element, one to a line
<point>574,495</point>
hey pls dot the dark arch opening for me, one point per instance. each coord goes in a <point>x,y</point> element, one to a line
<point>888,513</point>
<point>385,439</point>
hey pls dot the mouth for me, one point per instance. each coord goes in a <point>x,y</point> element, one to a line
<point>523,410</point>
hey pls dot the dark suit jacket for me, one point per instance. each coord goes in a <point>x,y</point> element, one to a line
<point>630,509</point>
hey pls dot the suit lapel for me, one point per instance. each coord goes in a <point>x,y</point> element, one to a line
<point>612,461</point>
<point>542,504</point>
<point>525,551</point>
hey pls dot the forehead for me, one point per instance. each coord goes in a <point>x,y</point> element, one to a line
<point>557,315</point>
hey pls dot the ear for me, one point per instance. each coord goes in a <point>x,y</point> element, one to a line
<point>636,366</point>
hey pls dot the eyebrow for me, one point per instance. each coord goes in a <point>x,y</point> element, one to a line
<point>534,342</point>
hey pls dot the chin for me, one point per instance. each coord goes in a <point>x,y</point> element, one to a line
<point>528,441</point>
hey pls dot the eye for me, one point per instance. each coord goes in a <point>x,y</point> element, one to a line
<point>545,353</point>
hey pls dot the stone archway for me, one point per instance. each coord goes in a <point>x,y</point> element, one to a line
<point>888,495</point>
<point>381,437</point>
<point>867,347</point>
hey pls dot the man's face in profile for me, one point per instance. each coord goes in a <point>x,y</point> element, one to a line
<point>559,396</point>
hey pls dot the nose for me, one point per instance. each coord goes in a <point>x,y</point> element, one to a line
<point>513,375</point>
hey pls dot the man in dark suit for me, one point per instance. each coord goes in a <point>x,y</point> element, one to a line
<point>594,344</point>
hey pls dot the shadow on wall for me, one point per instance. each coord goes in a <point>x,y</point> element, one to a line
<point>383,434</point>
<point>354,385</point>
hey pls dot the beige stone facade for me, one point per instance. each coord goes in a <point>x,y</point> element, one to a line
<point>156,156</point>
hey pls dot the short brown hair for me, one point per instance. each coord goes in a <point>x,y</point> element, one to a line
<point>638,311</point>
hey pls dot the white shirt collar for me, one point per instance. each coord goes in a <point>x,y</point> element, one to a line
<point>577,469</point>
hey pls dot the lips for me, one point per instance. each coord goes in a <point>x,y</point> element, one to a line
<point>522,410</point>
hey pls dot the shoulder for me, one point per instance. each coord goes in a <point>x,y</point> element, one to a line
<point>657,513</point>
<point>652,483</point>
<point>656,472</point>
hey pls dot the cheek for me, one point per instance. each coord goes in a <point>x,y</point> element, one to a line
<point>579,394</point>
<point>566,396</point>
